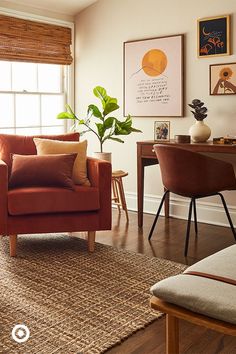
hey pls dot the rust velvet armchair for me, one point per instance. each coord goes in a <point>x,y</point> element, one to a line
<point>51,209</point>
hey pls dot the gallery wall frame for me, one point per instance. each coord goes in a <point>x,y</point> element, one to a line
<point>213,36</point>
<point>162,130</point>
<point>154,77</point>
<point>222,79</point>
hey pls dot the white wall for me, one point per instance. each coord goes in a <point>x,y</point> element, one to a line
<point>100,32</point>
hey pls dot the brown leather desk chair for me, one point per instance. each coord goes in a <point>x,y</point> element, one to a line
<point>195,176</point>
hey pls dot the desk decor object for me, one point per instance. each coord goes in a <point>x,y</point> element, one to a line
<point>223,79</point>
<point>214,36</point>
<point>162,130</point>
<point>200,132</point>
<point>228,140</point>
<point>153,77</point>
<point>183,139</point>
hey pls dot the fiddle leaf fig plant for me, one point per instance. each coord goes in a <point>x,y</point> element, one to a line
<point>99,121</point>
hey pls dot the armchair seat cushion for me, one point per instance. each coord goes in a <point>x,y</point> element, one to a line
<point>40,200</point>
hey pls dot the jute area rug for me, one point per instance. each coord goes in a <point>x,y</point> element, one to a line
<point>73,301</point>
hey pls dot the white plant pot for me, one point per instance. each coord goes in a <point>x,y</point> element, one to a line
<point>199,132</point>
<point>103,156</point>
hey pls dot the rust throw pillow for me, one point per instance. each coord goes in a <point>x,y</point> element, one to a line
<point>47,170</point>
<point>48,146</point>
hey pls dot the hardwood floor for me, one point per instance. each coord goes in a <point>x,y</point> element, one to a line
<point>168,242</point>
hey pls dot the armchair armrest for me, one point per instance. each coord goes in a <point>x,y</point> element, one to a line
<point>99,174</point>
<point>3,197</point>
<point>98,169</point>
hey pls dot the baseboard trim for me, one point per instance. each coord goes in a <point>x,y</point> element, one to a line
<point>210,213</point>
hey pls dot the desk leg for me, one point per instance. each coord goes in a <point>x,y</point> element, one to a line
<point>140,188</point>
<point>167,203</point>
<point>142,161</point>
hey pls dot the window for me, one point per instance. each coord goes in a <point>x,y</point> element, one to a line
<point>31,96</point>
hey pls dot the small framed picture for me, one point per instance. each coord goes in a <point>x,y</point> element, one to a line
<point>223,79</point>
<point>214,36</point>
<point>162,130</point>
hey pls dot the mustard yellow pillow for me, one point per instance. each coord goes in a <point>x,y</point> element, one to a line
<point>48,146</point>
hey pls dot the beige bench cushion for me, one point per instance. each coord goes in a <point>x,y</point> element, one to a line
<point>209,297</point>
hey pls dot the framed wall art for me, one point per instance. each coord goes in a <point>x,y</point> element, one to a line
<point>214,36</point>
<point>223,79</point>
<point>153,77</point>
<point>162,130</point>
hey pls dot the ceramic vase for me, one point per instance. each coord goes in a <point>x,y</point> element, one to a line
<point>199,132</point>
<point>103,156</point>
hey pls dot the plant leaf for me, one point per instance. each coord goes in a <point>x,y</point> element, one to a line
<point>95,111</point>
<point>120,131</point>
<point>100,129</point>
<point>110,107</point>
<point>69,114</point>
<point>128,122</point>
<point>101,93</point>
<point>108,123</point>
<point>135,130</point>
<point>66,115</point>
<point>111,100</point>
<point>116,139</point>
<point>123,128</point>
<point>69,109</point>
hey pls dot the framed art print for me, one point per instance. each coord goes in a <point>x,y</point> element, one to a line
<point>223,79</point>
<point>214,36</point>
<point>153,77</point>
<point>162,131</point>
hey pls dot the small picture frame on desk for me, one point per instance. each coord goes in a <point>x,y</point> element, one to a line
<point>162,130</point>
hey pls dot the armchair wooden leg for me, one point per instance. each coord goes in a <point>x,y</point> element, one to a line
<point>91,240</point>
<point>13,242</point>
<point>172,335</point>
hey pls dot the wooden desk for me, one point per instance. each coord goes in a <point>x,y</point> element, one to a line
<point>147,157</point>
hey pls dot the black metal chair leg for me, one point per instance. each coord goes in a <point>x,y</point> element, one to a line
<point>157,214</point>
<point>195,215</point>
<point>188,228</point>
<point>227,213</point>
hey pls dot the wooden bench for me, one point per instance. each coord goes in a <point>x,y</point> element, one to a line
<point>217,293</point>
<point>174,313</point>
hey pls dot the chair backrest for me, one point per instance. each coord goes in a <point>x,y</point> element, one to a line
<point>24,145</point>
<point>192,174</point>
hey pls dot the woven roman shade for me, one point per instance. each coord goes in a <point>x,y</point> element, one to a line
<point>30,41</point>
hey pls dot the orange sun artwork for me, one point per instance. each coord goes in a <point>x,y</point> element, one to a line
<point>154,62</point>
